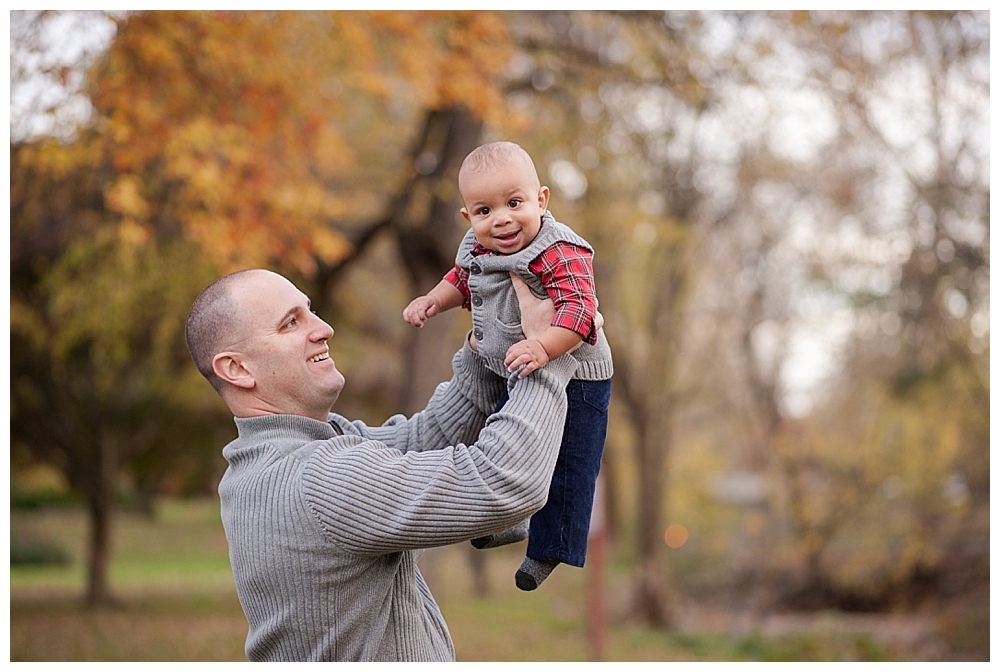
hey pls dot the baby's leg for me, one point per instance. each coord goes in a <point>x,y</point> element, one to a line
<point>559,531</point>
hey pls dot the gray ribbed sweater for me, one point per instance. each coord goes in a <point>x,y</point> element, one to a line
<point>325,520</point>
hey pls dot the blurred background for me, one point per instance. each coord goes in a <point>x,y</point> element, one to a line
<point>790,212</point>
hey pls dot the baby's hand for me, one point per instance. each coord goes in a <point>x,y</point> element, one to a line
<point>530,353</point>
<point>420,309</point>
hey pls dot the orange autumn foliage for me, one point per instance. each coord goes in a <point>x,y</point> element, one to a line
<point>249,132</point>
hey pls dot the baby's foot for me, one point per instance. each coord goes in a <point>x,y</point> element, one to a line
<point>532,572</point>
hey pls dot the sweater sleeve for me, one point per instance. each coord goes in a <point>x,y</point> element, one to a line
<point>455,413</point>
<point>373,499</point>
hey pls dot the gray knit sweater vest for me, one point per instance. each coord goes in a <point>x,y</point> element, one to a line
<point>496,316</point>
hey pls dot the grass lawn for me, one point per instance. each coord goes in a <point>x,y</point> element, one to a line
<point>172,578</point>
<point>177,602</point>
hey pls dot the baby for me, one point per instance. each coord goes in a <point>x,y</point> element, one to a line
<point>512,232</point>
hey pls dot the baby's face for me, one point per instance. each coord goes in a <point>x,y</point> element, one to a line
<point>504,206</point>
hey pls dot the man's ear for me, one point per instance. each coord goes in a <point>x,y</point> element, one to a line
<point>543,198</point>
<point>229,367</point>
<point>465,213</point>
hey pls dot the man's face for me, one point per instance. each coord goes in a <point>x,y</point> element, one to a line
<point>504,206</point>
<point>285,349</point>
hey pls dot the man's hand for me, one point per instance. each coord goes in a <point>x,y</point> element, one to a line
<point>530,353</point>
<point>536,314</point>
<point>420,309</point>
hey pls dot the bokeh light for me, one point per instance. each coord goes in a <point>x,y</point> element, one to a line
<point>676,536</point>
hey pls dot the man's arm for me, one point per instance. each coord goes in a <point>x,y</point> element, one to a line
<point>428,491</point>
<point>371,500</point>
<point>458,409</point>
<point>455,413</point>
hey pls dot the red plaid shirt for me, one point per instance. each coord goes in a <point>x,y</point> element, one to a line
<point>567,272</point>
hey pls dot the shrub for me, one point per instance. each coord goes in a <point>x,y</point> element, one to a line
<point>36,551</point>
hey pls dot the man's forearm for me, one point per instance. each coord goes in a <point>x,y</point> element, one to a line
<point>473,380</point>
<point>521,441</point>
<point>442,497</point>
<point>459,408</point>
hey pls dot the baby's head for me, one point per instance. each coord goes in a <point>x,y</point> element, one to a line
<point>504,200</point>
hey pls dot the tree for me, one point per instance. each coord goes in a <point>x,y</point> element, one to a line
<point>325,145</point>
<point>218,141</point>
<point>918,281</point>
<point>884,233</point>
<point>617,86</point>
<point>99,376</point>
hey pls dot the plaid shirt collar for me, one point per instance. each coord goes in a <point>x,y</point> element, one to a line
<point>478,249</point>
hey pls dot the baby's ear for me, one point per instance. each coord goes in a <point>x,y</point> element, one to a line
<point>543,198</point>
<point>465,213</point>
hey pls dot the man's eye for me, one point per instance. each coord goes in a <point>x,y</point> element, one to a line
<point>291,323</point>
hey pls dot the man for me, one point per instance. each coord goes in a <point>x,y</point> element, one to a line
<point>325,517</point>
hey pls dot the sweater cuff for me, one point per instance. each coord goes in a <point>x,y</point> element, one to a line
<point>474,378</point>
<point>563,368</point>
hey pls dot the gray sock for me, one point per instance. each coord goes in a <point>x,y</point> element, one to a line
<point>532,572</point>
<point>511,535</point>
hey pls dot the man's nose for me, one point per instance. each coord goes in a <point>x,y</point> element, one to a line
<point>321,330</point>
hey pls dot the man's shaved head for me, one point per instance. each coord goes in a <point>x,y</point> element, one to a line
<point>215,320</point>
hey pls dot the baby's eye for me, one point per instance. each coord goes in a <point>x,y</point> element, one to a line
<point>513,203</point>
<point>484,211</point>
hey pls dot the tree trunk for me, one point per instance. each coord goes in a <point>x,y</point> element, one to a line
<point>651,443</point>
<point>480,575</point>
<point>428,237</point>
<point>100,506</point>
<point>652,580</point>
<point>428,356</point>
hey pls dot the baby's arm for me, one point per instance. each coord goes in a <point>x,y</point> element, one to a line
<point>567,273</point>
<point>444,296</point>
<point>535,353</point>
